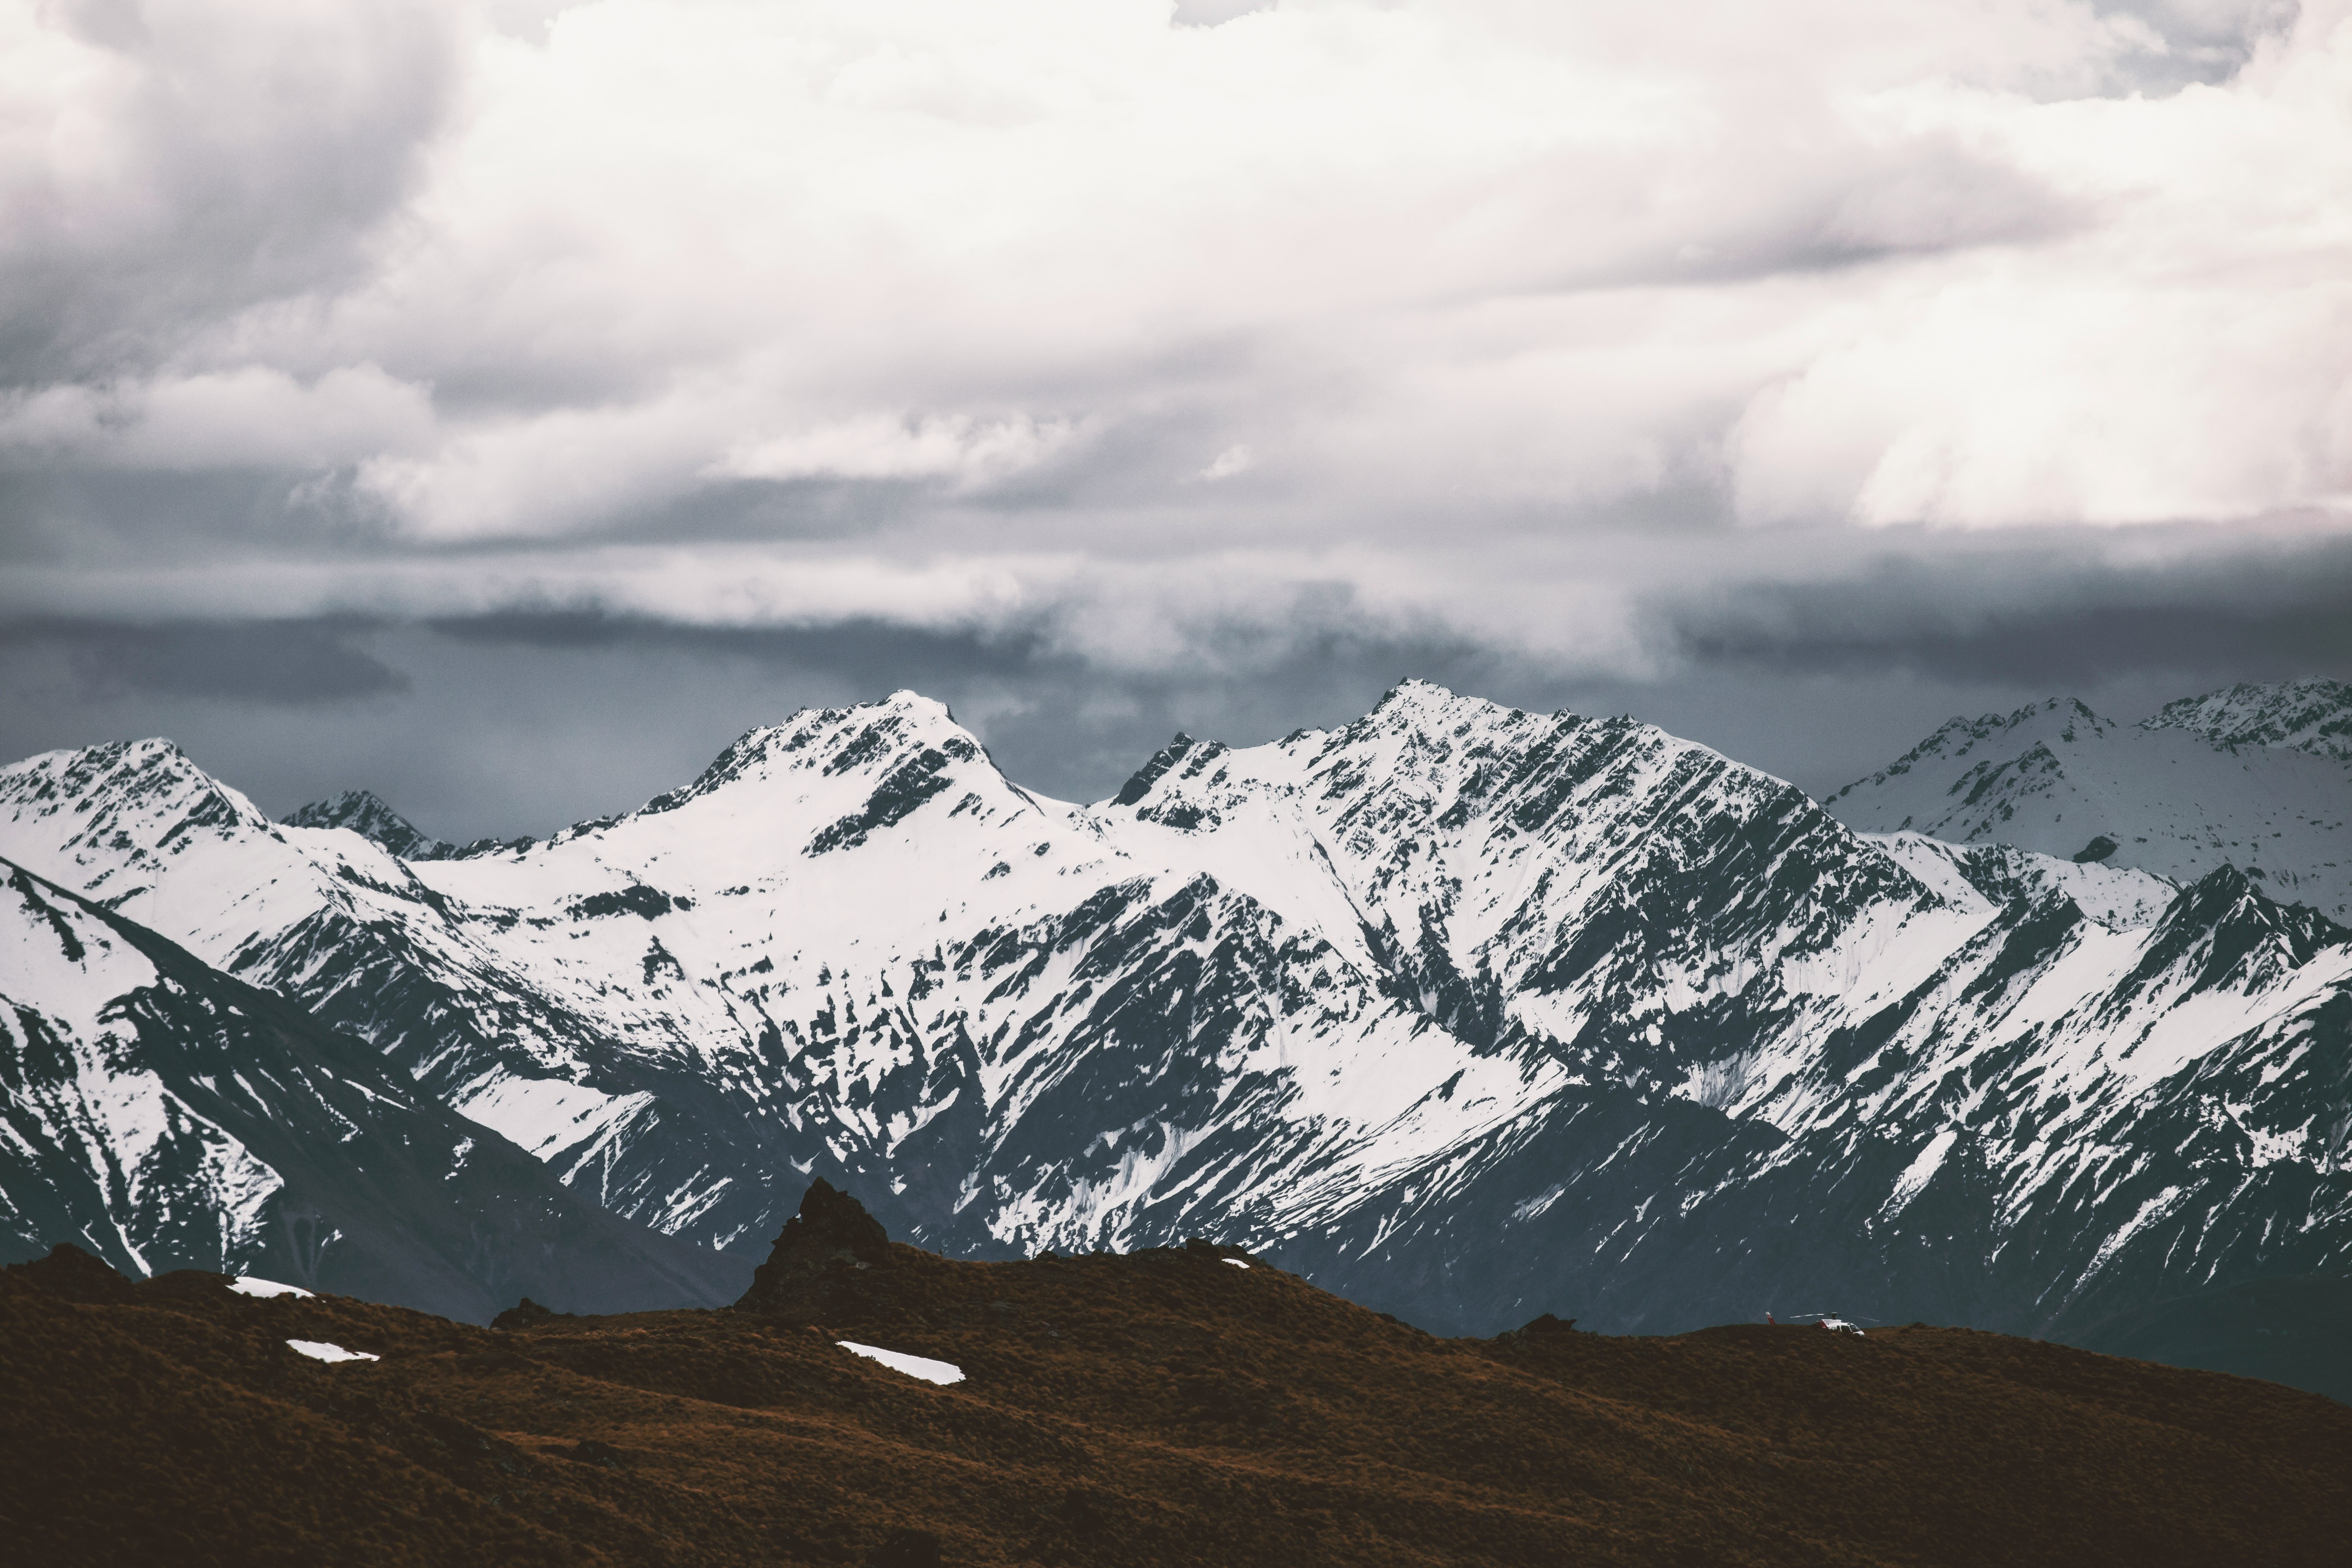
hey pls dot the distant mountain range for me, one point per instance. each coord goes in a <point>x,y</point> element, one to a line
<point>2253,777</point>
<point>1464,1012</point>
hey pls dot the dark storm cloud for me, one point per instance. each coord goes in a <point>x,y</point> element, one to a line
<point>2024,617</point>
<point>133,519</point>
<point>519,723</point>
<point>769,510</point>
<point>295,663</point>
<point>868,653</point>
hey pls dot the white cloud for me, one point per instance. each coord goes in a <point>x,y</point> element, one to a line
<point>252,417</point>
<point>1235,460</point>
<point>960,449</point>
<point>1499,304</point>
<point>166,162</point>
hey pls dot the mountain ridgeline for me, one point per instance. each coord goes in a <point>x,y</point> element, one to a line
<point>1465,1013</point>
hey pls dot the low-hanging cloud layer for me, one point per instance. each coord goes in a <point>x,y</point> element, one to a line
<point>1566,341</point>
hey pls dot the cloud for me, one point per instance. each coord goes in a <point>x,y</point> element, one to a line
<point>163,167</point>
<point>966,451</point>
<point>254,416</point>
<point>1175,342</point>
<point>1237,458</point>
<point>2046,615</point>
<point>275,663</point>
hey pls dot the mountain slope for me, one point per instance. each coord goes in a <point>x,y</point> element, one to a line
<point>2285,1328</point>
<point>164,1115</point>
<point>2043,1133</point>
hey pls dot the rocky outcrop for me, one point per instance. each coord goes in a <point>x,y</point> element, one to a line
<point>815,1264</point>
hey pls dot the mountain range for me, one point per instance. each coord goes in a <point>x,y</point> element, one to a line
<point>1462,1011</point>
<point>2251,777</point>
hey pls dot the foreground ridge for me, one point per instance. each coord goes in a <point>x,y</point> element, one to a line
<point>1158,1408</point>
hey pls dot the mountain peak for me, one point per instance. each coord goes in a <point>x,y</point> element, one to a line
<point>2235,933</point>
<point>82,768</point>
<point>127,792</point>
<point>365,814</point>
<point>834,740</point>
<point>2002,734</point>
<point>1410,699</point>
<point>831,1231</point>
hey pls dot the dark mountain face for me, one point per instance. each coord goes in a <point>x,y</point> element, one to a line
<point>1471,1013</point>
<point>164,1115</point>
<point>2285,1328</point>
<point>365,815</point>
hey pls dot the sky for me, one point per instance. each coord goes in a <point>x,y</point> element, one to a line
<point>502,405</point>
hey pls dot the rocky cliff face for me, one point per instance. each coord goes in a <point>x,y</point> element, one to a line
<point>1468,1013</point>
<point>368,816</point>
<point>811,1271</point>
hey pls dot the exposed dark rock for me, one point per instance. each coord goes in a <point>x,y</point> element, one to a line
<point>73,1275</point>
<point>818,1256</point>
<point>589,1451</point>
<point>364,813</point>
<point>636,898</point>
<point>1544,1327</point>
<point>524,1314</point>
<point>902,791</point>
<point>2098,848</point>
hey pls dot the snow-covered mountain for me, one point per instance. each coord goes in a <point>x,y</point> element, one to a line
<point>1466,1012</point>
<point>164,1115</point>
<point>2313,716</point>
<point>2190,790</point>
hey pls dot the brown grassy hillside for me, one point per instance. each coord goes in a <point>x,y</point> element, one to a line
<point>1162,1407</point>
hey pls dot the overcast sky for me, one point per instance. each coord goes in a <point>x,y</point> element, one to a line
<point>503,404</point>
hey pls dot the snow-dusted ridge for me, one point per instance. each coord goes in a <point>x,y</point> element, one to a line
<point>1464,1011</point>
<point>2313,716</point>
<point>2252,777</point>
